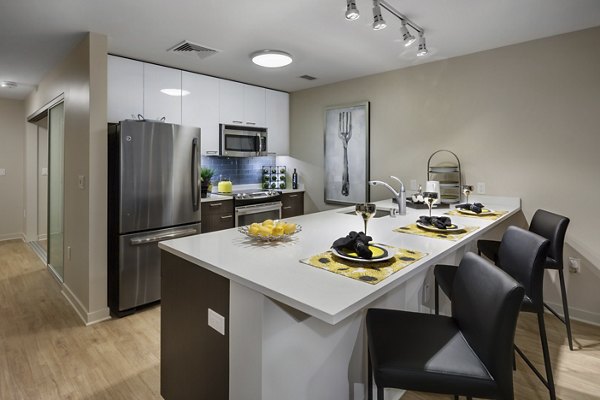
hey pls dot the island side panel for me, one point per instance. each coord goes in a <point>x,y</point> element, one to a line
<point>194,356</point>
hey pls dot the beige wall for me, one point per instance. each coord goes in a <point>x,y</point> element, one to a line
<point>80,73</point>
<point>524,119</point>
<point>12,148</point>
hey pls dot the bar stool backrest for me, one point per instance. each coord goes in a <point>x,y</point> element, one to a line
<point>554,228</point>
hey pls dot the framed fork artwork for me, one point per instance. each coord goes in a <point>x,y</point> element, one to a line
<point>347,154</point>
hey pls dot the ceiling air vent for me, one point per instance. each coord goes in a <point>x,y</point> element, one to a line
<point>308,77</point>
<point>187,47</point>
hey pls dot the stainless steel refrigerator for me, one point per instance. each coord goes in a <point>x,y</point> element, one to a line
<point>153,195</point>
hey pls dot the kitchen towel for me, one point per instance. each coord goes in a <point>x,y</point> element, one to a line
<point>413,229</point>
<point>372,272</point>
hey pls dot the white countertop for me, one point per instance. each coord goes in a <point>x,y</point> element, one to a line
<point>274,269</point>
<point>215,197</point>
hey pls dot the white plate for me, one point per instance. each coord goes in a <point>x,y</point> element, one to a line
<point>485,211</point>
<point>457,228</point>
<point>365,260</point>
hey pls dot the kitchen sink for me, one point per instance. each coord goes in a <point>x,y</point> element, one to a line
<point>378,213</point>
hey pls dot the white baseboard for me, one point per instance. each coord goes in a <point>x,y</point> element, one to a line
<point>87,317</point>
<point>577,314</point>
<point>42,237</point>
<point>12,236</point>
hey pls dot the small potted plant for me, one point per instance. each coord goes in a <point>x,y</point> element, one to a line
<point>206,175</point>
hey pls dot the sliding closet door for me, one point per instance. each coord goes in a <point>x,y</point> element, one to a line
<point>56,174</point>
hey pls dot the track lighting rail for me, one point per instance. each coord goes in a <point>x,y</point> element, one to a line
<point>401,16</point>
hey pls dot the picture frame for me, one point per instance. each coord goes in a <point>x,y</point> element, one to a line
<point>347,153</point>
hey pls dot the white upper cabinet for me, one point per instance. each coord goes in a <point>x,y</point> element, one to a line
<point>162,93</point>
<point>200,108</point>
<point>241,104</point>
<point>278,122</point>
<point>125,88</point>
<point>254,106</point>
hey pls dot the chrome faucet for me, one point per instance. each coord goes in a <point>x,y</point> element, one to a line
<point>400,195</point>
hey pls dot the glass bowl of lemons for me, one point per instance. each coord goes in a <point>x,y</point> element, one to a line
<point>270,230</point>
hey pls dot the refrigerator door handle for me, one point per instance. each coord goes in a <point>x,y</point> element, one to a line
<point>158,238</point>
<point>195,180</point>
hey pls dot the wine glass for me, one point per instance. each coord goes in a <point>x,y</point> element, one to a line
<point>467,189</point>
<point>366,211</point>
<point>430,198</point>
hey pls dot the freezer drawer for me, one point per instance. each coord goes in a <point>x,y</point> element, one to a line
<point>139,264</point>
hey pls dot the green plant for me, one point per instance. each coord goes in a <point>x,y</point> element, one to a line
<point>206,174</point>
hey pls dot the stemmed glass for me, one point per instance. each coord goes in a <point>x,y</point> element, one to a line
<point>366,211</point>
<point>430,198</point>
<point>467,189</point>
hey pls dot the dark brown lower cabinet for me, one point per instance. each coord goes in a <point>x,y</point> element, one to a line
<point>217,215</point>
<point>194,358</point>
<point>292,204</point>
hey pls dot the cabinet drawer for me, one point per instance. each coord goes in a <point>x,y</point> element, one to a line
<point>217,215</point>
<point>292,204</point>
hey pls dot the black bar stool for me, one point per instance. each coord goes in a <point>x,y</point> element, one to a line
<point>553,227</point>
<point>522,255</point>
<point>468,354</point>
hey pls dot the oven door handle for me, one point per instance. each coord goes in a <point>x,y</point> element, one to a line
<point>258,208</point>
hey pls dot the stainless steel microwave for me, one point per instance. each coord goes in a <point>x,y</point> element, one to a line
<point>242,141</point>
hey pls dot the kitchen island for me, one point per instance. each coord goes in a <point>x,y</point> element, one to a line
<point>282,329</point>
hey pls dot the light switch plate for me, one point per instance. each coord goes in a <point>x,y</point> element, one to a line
<point>481,187</point>
<point>44,171</point>
<point>216,321</point>
<point>2,172</point>
<point>81,182</point>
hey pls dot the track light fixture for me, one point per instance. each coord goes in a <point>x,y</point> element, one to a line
<point>379,23</point>
<point>422,46</point>
<point>351,10</point>
<point>408,37</point>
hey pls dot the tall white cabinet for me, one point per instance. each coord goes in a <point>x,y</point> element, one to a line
<point>200,108</point>
<point>190,99</point>
<point>125,88</point>
<point>278,122</point>
<point>162,93</point>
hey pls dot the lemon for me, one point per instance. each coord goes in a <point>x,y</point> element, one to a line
<point>268,222</point>
<point>254,229</point>
<point>278,231</point>
<point>289,228</point>
<point>265,230</point>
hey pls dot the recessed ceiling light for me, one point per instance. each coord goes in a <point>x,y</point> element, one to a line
<point>271,58</point>
<point>175,92</point>
<point>8,84</point>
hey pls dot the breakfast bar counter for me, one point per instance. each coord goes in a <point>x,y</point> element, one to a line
<point>280,328</point>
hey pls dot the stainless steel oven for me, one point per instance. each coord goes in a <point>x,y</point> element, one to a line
<point>242,141</point>
<point>245,215</point>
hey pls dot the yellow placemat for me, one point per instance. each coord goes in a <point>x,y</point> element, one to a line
<point>491,217</point>
<point>413,229</point>
<point>371,273</point>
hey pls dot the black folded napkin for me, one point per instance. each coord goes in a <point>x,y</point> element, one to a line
<point>358,242</point>
<point>475,207</point>
<point>438,222</point>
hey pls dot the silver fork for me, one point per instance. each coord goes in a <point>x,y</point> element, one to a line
<point>345,133</point>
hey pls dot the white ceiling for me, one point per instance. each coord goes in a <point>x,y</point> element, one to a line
<point>36,34</point>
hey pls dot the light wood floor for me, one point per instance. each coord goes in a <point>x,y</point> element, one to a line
<point>46,353</point>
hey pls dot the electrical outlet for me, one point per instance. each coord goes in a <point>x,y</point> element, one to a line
<point>44,171</point>
<point>574,265</point>
<point>216,321</point>
<point>2,172</point>
<point>81,182</point>
<point>481,187</point>
<point>413,184</point>
<point>69,253</point>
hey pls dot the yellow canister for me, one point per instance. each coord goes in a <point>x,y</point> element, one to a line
<point>225,186</point>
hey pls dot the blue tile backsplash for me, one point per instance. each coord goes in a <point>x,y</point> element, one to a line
<point>241,171</point>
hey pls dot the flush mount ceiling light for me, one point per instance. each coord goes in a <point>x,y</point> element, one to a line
<point>271,58</point>
<point>351,10</point>
<point>8,84</point>
<point>379,23</point>
<point>175,92</point>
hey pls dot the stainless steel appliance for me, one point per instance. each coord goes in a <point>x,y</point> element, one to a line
<point>242,141</point>
<point>256,206</point>
<point>154,195</point>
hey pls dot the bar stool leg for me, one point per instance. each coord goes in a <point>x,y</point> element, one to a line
<point>563,293</point>
<point>546,352</point>
<point>380,393</point>
<point>437,298</point>
<point>370,377</point>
